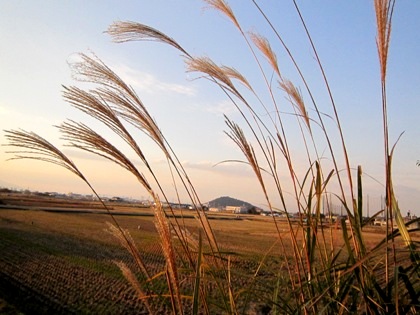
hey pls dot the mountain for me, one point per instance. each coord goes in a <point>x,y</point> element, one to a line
<point>228,201</point>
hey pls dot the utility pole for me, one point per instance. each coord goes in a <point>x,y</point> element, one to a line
<point>367,206</point>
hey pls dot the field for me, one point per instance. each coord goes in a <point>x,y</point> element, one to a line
<point>57,257</point>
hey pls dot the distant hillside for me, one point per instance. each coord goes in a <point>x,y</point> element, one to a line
<point>228,201</point>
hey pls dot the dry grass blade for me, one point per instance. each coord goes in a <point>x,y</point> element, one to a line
<point>125,239</point>
<point>37,148</point>
<point>235,74</point>
<point>134,112</point>
<point>396,209</point>
<point>231,295</point>
<point>89,104</point>
<point>83,137</point>
<point>95,71</point>
<point>198,273</point>
<point>93,106</point>
<point>384,10</point>
<point>124,31</point>
<point>224,8</point>
<point>122,101</point>
<point>205,224</point>
<point>164,231</point>
<point>131,278</point>
<point>296,99</point>
<point>264,46</point>
<point>239,138</point>
<point>207,66</point>
<point>189,237</point>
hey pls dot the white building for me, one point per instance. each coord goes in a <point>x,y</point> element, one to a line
<point>233,209</point>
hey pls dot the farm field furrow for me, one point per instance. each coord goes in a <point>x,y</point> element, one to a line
<point>60,282</point>
<point>63,262</point>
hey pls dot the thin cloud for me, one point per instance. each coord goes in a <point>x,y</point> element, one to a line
<point>225,107</point>
<point>15,119</point>
<point>149,83</point>
<point>228,168</point>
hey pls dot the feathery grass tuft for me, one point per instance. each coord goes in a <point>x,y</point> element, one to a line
<point>264,46</point>
<point>384,10</point>
<point>82,137</point>
<point>33,146</point>
<point>296,99</point>
<point>223,7</point>
<point>125,31</point>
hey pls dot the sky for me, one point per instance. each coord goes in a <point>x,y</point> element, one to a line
<point>40,39</point>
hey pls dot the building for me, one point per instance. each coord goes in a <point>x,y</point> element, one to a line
<point>233,209</point>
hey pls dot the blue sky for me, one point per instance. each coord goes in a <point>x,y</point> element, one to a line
<point>39,39</point>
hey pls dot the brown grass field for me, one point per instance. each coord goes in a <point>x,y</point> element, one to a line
<point>57,257</point>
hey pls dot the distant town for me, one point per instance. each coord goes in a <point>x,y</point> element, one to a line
<point>219,205</point>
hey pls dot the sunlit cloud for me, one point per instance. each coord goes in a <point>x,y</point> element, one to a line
<point>225,107</point>
<point>149,83</point>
